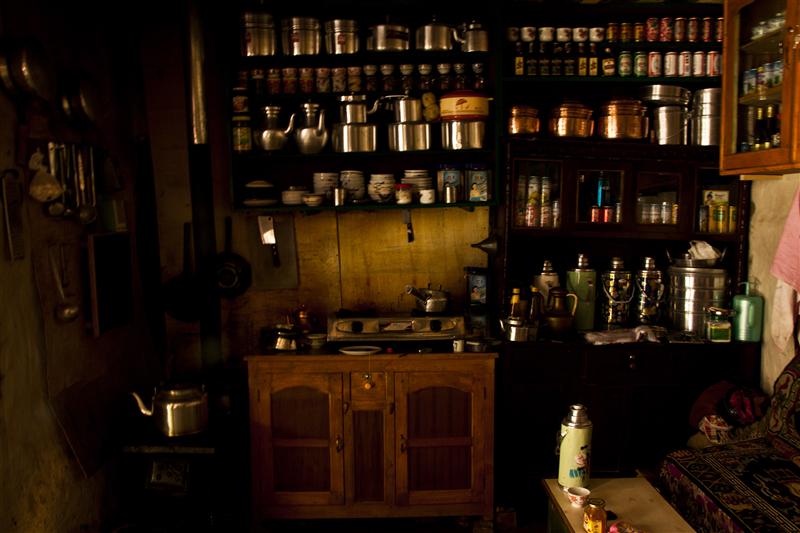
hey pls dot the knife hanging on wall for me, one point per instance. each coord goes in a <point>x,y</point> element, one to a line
<point>407,222</point>
<point>266,228</point>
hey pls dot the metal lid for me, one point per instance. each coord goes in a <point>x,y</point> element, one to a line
<point>341,26</point>
<point>547,267</point>
<point>577,416</point>
<point>583,261</point>
<point>617,263</point>
<point>300,23</point>
<point>649,263</point>
<point>262,20</point>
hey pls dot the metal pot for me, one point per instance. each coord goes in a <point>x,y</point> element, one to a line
<point>463,105</point>
<point>408,136</point>
<point>353,108</point>
<point>388,38</point>
<point>300,36</point>
<point>177,410</point>
<point>523,120</point>
<point>406,109</point>
<point>429,300</point>
<point>475,38</point>
<point>434,37</point>
<point>705,114</point>
<point>258,34</point>
<point>463,134</point>
<point>670,125</point>
<point>354,137</point>
<point>666,95</point>
<point>271,136</point>
<point>341,36</point>
<point>571,127</point>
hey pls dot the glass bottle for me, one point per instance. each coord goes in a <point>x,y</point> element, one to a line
<point>544,58</point>
<point>569,60</point>
<point>536,307</point>
<point>594,516</point>
<point>460,79</point>
<point>593,61</point>
<point>514,304</point>
<point>445,79</point>
<point>760,130</point>
<point>773,127</point>
<point>518,65</point>
<point>557,59</point>
<point>424,80</point>
<point>532,60</point>
<point>608,62</point>
<point>478,77</point>
<point>582,61</point>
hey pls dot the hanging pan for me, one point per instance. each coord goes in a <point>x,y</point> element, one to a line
<point>234,274</point>
<point>25,68</point>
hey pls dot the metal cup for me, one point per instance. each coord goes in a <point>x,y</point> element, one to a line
<point>339,195</point>
<point>450,194</point>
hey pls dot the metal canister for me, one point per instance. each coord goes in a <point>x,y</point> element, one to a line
<point>718,221</point>
<point>707,30</point>
<point>719,31</point>
<point>241,134</point>
<point>665,30</point>
<point>595,214</point>
<point>608,214</point>
<point>574,448</point>
<point>671,64</point>
<point>692,29</point>
<point>733,219</point>
<point>654,64</point>
<point>679,30</point>
<point>640,64</point>
<point>713,63</point>
<point>618,288</point>
<point>685,64</point>
<point>699,63</point>
<point>651,29</point>
<point>650,283</point>
<point>625,64</point>
<point>625,32</point>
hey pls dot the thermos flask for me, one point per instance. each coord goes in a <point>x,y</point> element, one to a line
<point>617,286</point>
<point>546,280</point>
<point>748,315</point>
<point>583,282</point>
<point>650,283</point>
<point>574,448</point>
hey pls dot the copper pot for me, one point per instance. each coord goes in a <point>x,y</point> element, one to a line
<point>622,119</point>
<point>523,120</point>
<point>571,127</point>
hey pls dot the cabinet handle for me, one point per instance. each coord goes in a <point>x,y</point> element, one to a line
<point>339,443</point>
<point>391,408</point>
<point>402,444</point>
<point>632,361</point>
<point>346,406</point>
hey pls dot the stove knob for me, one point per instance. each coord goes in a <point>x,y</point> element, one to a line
<point>435,325</point>
<point>356,326</point>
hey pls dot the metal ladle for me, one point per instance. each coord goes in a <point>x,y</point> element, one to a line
<point>64,310</point>
<point>87,213</point>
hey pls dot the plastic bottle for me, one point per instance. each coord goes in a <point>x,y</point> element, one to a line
<point>582,281</point>
<point>748,315</point>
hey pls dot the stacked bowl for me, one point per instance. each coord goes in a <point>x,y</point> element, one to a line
<point>381,187</point>
<point>353,182</point>
<point>325,182</point>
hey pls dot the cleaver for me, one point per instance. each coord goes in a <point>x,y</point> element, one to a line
<point>266,227</point>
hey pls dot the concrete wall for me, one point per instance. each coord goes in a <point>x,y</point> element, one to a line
<point>771,200</point>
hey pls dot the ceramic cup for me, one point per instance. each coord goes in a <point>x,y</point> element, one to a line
<point>578,496</point>
<point>427,196</point>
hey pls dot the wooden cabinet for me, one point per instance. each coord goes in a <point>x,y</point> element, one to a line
<point>372,436</point>
<point>760,76</point>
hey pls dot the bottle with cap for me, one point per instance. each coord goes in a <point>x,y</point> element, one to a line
<point>748,315</point>
<point>582,281</point>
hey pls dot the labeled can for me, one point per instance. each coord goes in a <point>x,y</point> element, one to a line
<point>612,32</point>
<point>339,79</point>
<point>274,81</point>
<point>692,29</point>
<point>654,64</point>
<point>547,187</point>
<point>699,64</point>
<point>675,209</point>
<point>258,82</point>
<point>546,215</point>
<point>306,80</point>
<point>718,218</point>
<point>323,79</point>
<point>639,33</point>
<point>713,63</point>
<point>665,30</point>
<point>289,80</point>
<point>685,64</point>
<point>556,208</point>
<point>702,219</point>
<point>707,30</point>
<point>596,34</point>
<point>595,214</point>
<point>532,213</point>
<point>625,32</point>
<point>640,64</point>
<point>608,214</point>
<point>241,134</point>
<point>239,101</point>
<point>618,213</point>
<point>625,64</point>
<point>733,218</point>
<point>666,212</point>
<point>719,30</point>
<point>651,29</point>
<point>679,30</point>
<point>671,64</point>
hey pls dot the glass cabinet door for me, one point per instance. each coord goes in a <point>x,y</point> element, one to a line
<point>537,194</point>
<point>599,196</point>
<point>759,95</point>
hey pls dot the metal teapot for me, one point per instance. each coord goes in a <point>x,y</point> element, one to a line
<point>473,39</point>
<point>311,135</point>
<point>271,136</point>
<point>429,300</point>
<point>558,317</point>
<point>177,410</point>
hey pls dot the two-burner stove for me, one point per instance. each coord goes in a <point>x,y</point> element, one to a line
<point>367,326</point>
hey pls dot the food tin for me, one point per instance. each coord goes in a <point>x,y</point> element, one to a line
<point>639,33</point>
<point>702,218</point>
<point>608,214</point>
<point>597,34</point>
<point>625,32</point>
<point>241,134</point>
<point>713,63</point>
<point>289,80</point>
<point>679,30</point>
<point>671,64</point>
<point>654,64</point>
<point>706,30</point>
<point>719,31</point>
<point>665,30</point>
<point>733,219</point>
<point>699,64</point>
<point>685,64</point>
<point>692,26</point>
<point>477,179</point>
<point>625,64</point>
<point>595,214</point>
<point>612,32</point>
<point>651,29</point>
<point>640,64</point>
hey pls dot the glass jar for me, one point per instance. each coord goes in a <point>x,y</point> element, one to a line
<point>371,78</point>
<point>388,78</point>
<point>403,193</point>
<point>241,134</point>
<point>718,324</point>
<point>594,516</point>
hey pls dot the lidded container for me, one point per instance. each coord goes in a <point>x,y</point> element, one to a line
<point>618,289</point>
<point>650,283</point>
<point>300,36</point>
<point>571,119</point>
<point>574,448</point>
<point>523,120</point>
<point>257,34</point>
<point>341,36</point>
<point>748,315</point>
<point>706,108</point>
<point>622,119</point>
<point>669,113</point>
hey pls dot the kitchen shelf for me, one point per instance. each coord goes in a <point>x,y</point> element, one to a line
<point>765,44</point>
<point>367,57</point>
<point>632,80</point>
<point>771,95</point>
<point>368,206</point>
<point>261,156</point>
<point>611,149</point>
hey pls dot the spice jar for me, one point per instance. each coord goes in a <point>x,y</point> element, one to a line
<point>402,192</point>
<point>407,78</point>
<point>289,80</point>
<point>306,80</point>
<point>424,80</point>
<point>389,80</point>
<point>354,79</point>
<point>718,324</point>
<point>371,78</point>
<point>323,79</point>
<point>444,82</point>
<point>241,134</point>
<point>274,81</point>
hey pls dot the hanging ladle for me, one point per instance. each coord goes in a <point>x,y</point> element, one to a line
<point>87,213</point>
<point>64,310</point>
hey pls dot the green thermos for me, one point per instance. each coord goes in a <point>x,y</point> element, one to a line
<point>748,315</point>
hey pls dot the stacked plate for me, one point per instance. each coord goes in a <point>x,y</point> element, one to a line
<point>259,193</point>
<point>418,179</point>
<point>325,182</point>
<point>293,195</point>
<point>381,187</point>
<point>353,182</point>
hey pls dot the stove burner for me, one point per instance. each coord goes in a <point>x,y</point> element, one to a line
<point>395,328</point>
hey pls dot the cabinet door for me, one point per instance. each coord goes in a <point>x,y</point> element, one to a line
<point>761,89</point>
<point>441,437</point>
<point>297,439</point>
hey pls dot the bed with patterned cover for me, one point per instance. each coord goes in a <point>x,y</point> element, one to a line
<point>750,484</point>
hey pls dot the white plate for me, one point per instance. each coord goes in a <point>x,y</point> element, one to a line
<point>359,350</point>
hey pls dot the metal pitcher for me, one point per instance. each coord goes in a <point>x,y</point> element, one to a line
<point>271,136</point>
<point>311,135</point>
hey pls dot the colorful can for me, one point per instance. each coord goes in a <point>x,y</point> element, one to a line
<point>713,63</point>
<point>608,214</point>
<point>556,208</point>
<point>546,215</point>
<point>665,30</point>
<point>692,29</point>
<point>733,219</point>
<point>306,80</point>
<point>597,34</point>
<point>547,187</point>
<point>640,64</point>
<point>639,33</point>
<point>612,32</point>
<point>595,214</point>
<point>707,30</point>
<point>651,29</point>
<point>618,213</point>
<point>718,219</point>
<point>671,64</point>
<point>239,100</point>
<point>654,64</point>
<point>625,64</point>
<point>702,219</point>
<point>675,209</point>
<point>625,32</point>
<point>339,79</point>
<point>323,79</point>
<point>699,64</point>
<point>274,81</point>
<point>241,134</point>
<point>679,30</point>
<point>685,64</point>
<point>289,80</point>
<point>719,31</point>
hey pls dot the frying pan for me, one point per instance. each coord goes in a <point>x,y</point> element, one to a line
<point>79,98</point>
<point>28,69</point>
<point>234,274</point>
<point>182,294</point>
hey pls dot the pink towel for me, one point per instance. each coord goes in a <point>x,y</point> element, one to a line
<point>786,263</point>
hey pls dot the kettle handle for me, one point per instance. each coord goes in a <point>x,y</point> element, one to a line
<point>574,302</point>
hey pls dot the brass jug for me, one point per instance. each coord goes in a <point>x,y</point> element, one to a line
<point>560,319</point>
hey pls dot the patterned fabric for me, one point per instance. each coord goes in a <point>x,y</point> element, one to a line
<point>751,483</point>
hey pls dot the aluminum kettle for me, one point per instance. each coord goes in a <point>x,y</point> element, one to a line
<point>177,410</point>
<point>271,136</point>
<point>311,135</point>
<point>429,300</point>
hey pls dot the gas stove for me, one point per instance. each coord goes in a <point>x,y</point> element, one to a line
<point>409,327</point>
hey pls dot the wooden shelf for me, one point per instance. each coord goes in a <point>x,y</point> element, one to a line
<point>771,95</point>
<point>767,43</point>
<point>366,206</point>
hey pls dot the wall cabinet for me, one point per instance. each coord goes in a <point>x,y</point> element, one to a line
<point>761,90</point>
<point>372,436</point>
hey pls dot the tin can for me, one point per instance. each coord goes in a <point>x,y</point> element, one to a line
<point>685,64</point>
<point>339,79</point>
<point>654,213</point>
<point>707,30</point>
<point>533,202</point>
<point>651,29</point>
<point>702,218</point>
<point>675,208</point>
<point>665,30</point>
<point>608,214</point>
<point>654,64</point>
<point>699,64</point>
<point>733,218</point>
<point>575,448</point>
<point>547,187</point>
<point>666,212</point>
<point>241,134</point>
<point>639,33</point>
<point>289,80</point>
<point>625,32</point>
<point>713,63</point>
<point>618,213</point>
<point>595,214</point>
<point>556,207</point>
<point>624,64</point>
<point>692,27</point>
<point>595,517</point>
<point>671,64</point>
<point>274,81</point>
<point>612,32</point>
<point>597,34</point>
<point>640,64</point>
<point>532,216</point>
<point>239,101</point>
<point>719,30</point>
<point>258,82</point>
<point>718,220</point>
<point>306,80</point>
<point>354,79</point>
<point>546,215</point>
<point>679,30</point>
<point>323,79</point>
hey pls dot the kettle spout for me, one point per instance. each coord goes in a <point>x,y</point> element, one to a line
<point>290,127</point>
<point>415,293</point>
<point>142,407</point>
<point>321,122</point>
<point>502,325</point>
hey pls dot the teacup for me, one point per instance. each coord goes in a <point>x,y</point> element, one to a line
<point>578,496</point>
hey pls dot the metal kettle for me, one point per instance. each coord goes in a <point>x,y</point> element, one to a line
<point>271,136</point>
<point>473,39</point>
<point>177,410</point>
<point>429,300</point>
<point>311,135</point>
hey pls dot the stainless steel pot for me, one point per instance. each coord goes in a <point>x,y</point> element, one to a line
<point>464,105</point>
<point>341,36</point>
<point>177,410</point>
<point>691,290</point>
<point>666,95</point>
<point>434,37</point>
<point>406,108</point>
<point>388,38</point>
<point>670,125</point>
<point>408,136</point>
<point>300,36</point>
<point>258,34</point>
<point>353,108</point>
<point>463,134</point>
<point>354,137</point>
<point>705,117</point>
<point>474,39</point>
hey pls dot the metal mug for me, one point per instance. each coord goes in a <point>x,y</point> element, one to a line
<point>339,195</point>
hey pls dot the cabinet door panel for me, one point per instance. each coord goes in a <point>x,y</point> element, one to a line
<point>368,450</point>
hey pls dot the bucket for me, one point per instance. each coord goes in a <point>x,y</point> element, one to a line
<point>706,107</point>
<point>670,125</point>
<point>691,290</point>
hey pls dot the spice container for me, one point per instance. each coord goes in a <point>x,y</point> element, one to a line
<point>403,193</point>
<point>241,134</point>
<point>718,324</point>
<point>594,516</point>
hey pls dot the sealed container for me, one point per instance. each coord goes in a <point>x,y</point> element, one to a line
<point>300,36</point>
<point>670,125</point>
<point>341,36</point>
<point>257,34</point>
<point>706,107</point>
<point>575,448</point>
<point>651,291</point>
<point>618,289</point>
<point>691,291</point>
<point>718,325</point>
<point>595,517</point>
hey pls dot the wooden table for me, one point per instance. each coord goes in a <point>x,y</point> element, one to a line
<point>633,500</point>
